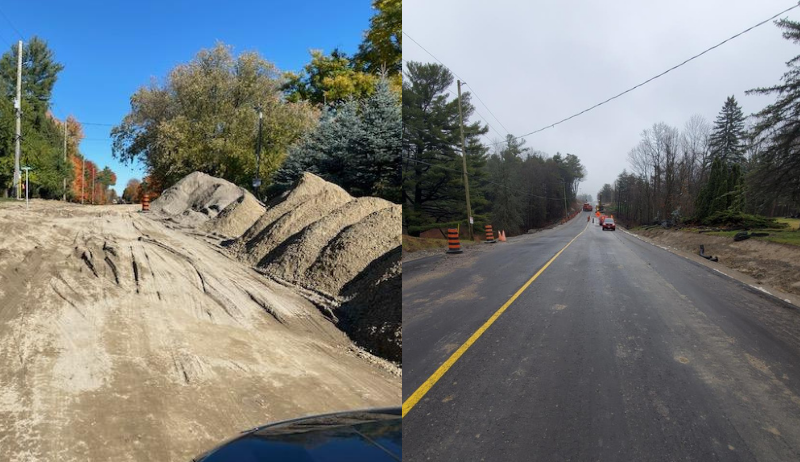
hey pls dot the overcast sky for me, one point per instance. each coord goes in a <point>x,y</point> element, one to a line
<point>534,63</point>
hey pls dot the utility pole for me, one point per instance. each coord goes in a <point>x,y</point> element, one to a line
<point>64,198</point>
<point>564,183</point>
<point>18,107</point>
<point>94,170</point>
<point>257,179</point>
<point>83,179</point>
<point>464,160</point>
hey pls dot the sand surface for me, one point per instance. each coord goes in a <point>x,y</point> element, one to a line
<point>122,338</point>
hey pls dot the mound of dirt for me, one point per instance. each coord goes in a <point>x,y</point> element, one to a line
<point>371,314</point>
<point>319,237</point>
<point>237,217</point>
<point>292,259</point>
<point>354,248</point>
<point>316,236</point>
<point>311,199</point>
<point>199,197</point>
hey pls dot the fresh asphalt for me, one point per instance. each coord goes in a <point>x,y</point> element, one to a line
<point>619,350</point>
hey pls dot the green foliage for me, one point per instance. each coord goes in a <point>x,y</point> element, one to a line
<point>39,75</point>
<point>777,164</point>
<point>731,219</point>
<point>356,145</point>
<point>203,118</point>
<point>42,135</point>
<point>514,189</point>
<point>726,140</point>
<point>433,188</point>
<point>383,44</point>
<point>329,79</point>
<point>505,173</point>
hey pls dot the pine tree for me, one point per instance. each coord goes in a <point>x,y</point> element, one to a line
<point>728,133</point>
<point>356,145</point>
<point>377,167</point>
<point>505,167</point>
<point>777,165</point>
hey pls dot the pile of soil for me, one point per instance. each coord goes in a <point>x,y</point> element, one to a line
<point>316,236</point>
<point>774,264</point>
<point>319,237</point>
<point>371,313</point>
<point>237,217</point>
<point>209,203</point>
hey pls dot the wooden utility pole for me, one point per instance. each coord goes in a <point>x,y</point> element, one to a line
<point>94,170</point>
<point>18,107</point>
<point>464,160</point>
<point>64,197</point>
<point>83,179</point>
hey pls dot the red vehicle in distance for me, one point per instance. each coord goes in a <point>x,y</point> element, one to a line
<point>587,207</point>
<point>608,223</point>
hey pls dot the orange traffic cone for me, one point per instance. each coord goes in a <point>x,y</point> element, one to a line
<point>502,236</point>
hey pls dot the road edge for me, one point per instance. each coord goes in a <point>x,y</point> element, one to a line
<point>786,303</point>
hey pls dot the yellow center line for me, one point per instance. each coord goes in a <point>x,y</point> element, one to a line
<point>428,384</point>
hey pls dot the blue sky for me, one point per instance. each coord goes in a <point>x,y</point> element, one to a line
<point>111,48</point>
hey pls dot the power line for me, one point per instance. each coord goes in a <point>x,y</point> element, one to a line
<point>462,81</point>
<point>487,107</point>
<point>659,75</point>
<point>12,25</point>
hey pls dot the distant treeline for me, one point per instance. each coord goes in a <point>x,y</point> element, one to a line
<point>42,141</point>
<point>512,187</point>
<point>720,172</point>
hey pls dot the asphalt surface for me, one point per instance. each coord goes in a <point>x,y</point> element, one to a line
<point>619,350</point>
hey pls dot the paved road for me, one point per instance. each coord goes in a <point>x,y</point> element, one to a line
<point>619,350</point>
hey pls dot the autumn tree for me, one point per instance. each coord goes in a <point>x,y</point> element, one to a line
<point>131,192</point>
<point>203,118</point>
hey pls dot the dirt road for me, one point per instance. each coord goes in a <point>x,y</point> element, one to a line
<point>122,339</point>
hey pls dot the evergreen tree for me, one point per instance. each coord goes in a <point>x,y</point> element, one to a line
<point>378,169</point>
<point>356,145</point>
<point>433,189</point>
<point>728,133</point>
<point>736,196</point>
<point>778,163</point>
<point>713,196</point>
<point>505,167</point>
<point>39,74</point>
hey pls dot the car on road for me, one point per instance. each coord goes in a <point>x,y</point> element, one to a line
<point>371,435</point>
<point>608,223</point>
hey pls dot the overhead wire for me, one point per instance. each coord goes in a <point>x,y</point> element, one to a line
<point>12,25</point>
<point>619,94</point>
<point>486,120</point>
<point>661,74</point>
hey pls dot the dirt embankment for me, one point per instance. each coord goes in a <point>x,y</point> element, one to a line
<point>777,265</point>
<point>344,250</point>
<point>124,339</point>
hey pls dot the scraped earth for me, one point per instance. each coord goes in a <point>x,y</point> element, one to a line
<point>772,263</point>
<point>125,336</point>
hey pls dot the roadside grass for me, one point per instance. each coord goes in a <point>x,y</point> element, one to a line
<point>790,236</point>
<point>794,223</point>
<point>414,244</point>
<point>781,236</point>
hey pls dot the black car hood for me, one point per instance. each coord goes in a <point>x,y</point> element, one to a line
<point>373,435</point>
